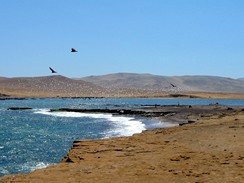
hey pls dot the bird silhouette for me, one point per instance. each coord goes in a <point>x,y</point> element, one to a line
<point>53,71</point>
<point>73,50</point>
<point>172,85</point>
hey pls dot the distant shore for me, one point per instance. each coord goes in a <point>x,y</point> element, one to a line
<point>206,147</point>
<point>203,95</point>
<point>122,85</point>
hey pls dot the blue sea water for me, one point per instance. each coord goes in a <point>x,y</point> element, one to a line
<point>36,138</point>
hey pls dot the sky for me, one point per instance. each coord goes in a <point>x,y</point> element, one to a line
<point>160,37</point>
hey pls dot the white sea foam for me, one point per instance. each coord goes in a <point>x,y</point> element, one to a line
<point>122,126</point>
<point>72,114</point>
<point>3,171</point>
<point>31,166</point>
<point>125,127</point>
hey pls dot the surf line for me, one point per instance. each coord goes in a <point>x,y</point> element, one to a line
<point>120,125</point>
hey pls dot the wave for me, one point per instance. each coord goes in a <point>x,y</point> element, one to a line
<point>3,171</point>
<point>24,168</point>
<point>72,114</point>
<point>126,127</point>
<point>122,126</point>
<point>31,166</point>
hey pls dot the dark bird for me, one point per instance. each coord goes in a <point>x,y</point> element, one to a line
<point>53,71</point>
<point>172,85</point>
<point>73,50</point>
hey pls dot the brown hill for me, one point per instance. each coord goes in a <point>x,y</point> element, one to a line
<point>132,81</point>
<point>122,85</point>
<point>48,86</point>
<point>167,83</point>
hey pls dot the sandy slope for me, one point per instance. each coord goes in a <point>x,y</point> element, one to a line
<point>60,86</point>
<point>210,150</point>
<point>164,83</point>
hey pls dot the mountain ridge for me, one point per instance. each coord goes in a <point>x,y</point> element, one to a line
<point>118,85</point>
<point>199,83</point>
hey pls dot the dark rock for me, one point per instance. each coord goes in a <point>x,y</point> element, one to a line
<point>19,108</point>
<point>68,160</point>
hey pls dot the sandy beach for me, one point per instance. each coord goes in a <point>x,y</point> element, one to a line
<point>208,149</point>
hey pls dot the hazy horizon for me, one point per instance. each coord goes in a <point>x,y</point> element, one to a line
<point>120,73</point>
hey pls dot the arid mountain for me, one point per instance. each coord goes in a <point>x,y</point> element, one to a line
<point>213,83</point>
<point>48,86</point>
<point>119,85</point>
<point>166,83</point>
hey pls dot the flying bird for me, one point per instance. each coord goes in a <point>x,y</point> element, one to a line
<point>172,85</point>
<point>53,71</point>
<point>73,50</point>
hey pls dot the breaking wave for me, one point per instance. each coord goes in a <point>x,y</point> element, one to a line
<point>122,126</point>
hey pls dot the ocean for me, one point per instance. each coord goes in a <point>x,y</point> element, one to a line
<point>36,138</point>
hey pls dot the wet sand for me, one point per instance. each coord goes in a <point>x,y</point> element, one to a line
<point>209,149</point>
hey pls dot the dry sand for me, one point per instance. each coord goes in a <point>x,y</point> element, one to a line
<point>209,150</point>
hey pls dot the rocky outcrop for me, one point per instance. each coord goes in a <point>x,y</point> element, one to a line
<point>181,114</point>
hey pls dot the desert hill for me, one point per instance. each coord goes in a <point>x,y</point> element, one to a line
<point>168,83</point>
<point>121,85</point>
<point>48,86</point>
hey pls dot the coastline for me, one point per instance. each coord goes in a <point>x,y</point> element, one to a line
<point>21,95</point>
<point>195,151</point>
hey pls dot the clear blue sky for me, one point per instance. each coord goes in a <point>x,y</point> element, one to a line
<point>162,37</point>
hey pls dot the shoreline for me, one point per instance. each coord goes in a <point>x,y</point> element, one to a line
<point>158,154</point>
<point>180,95</point>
